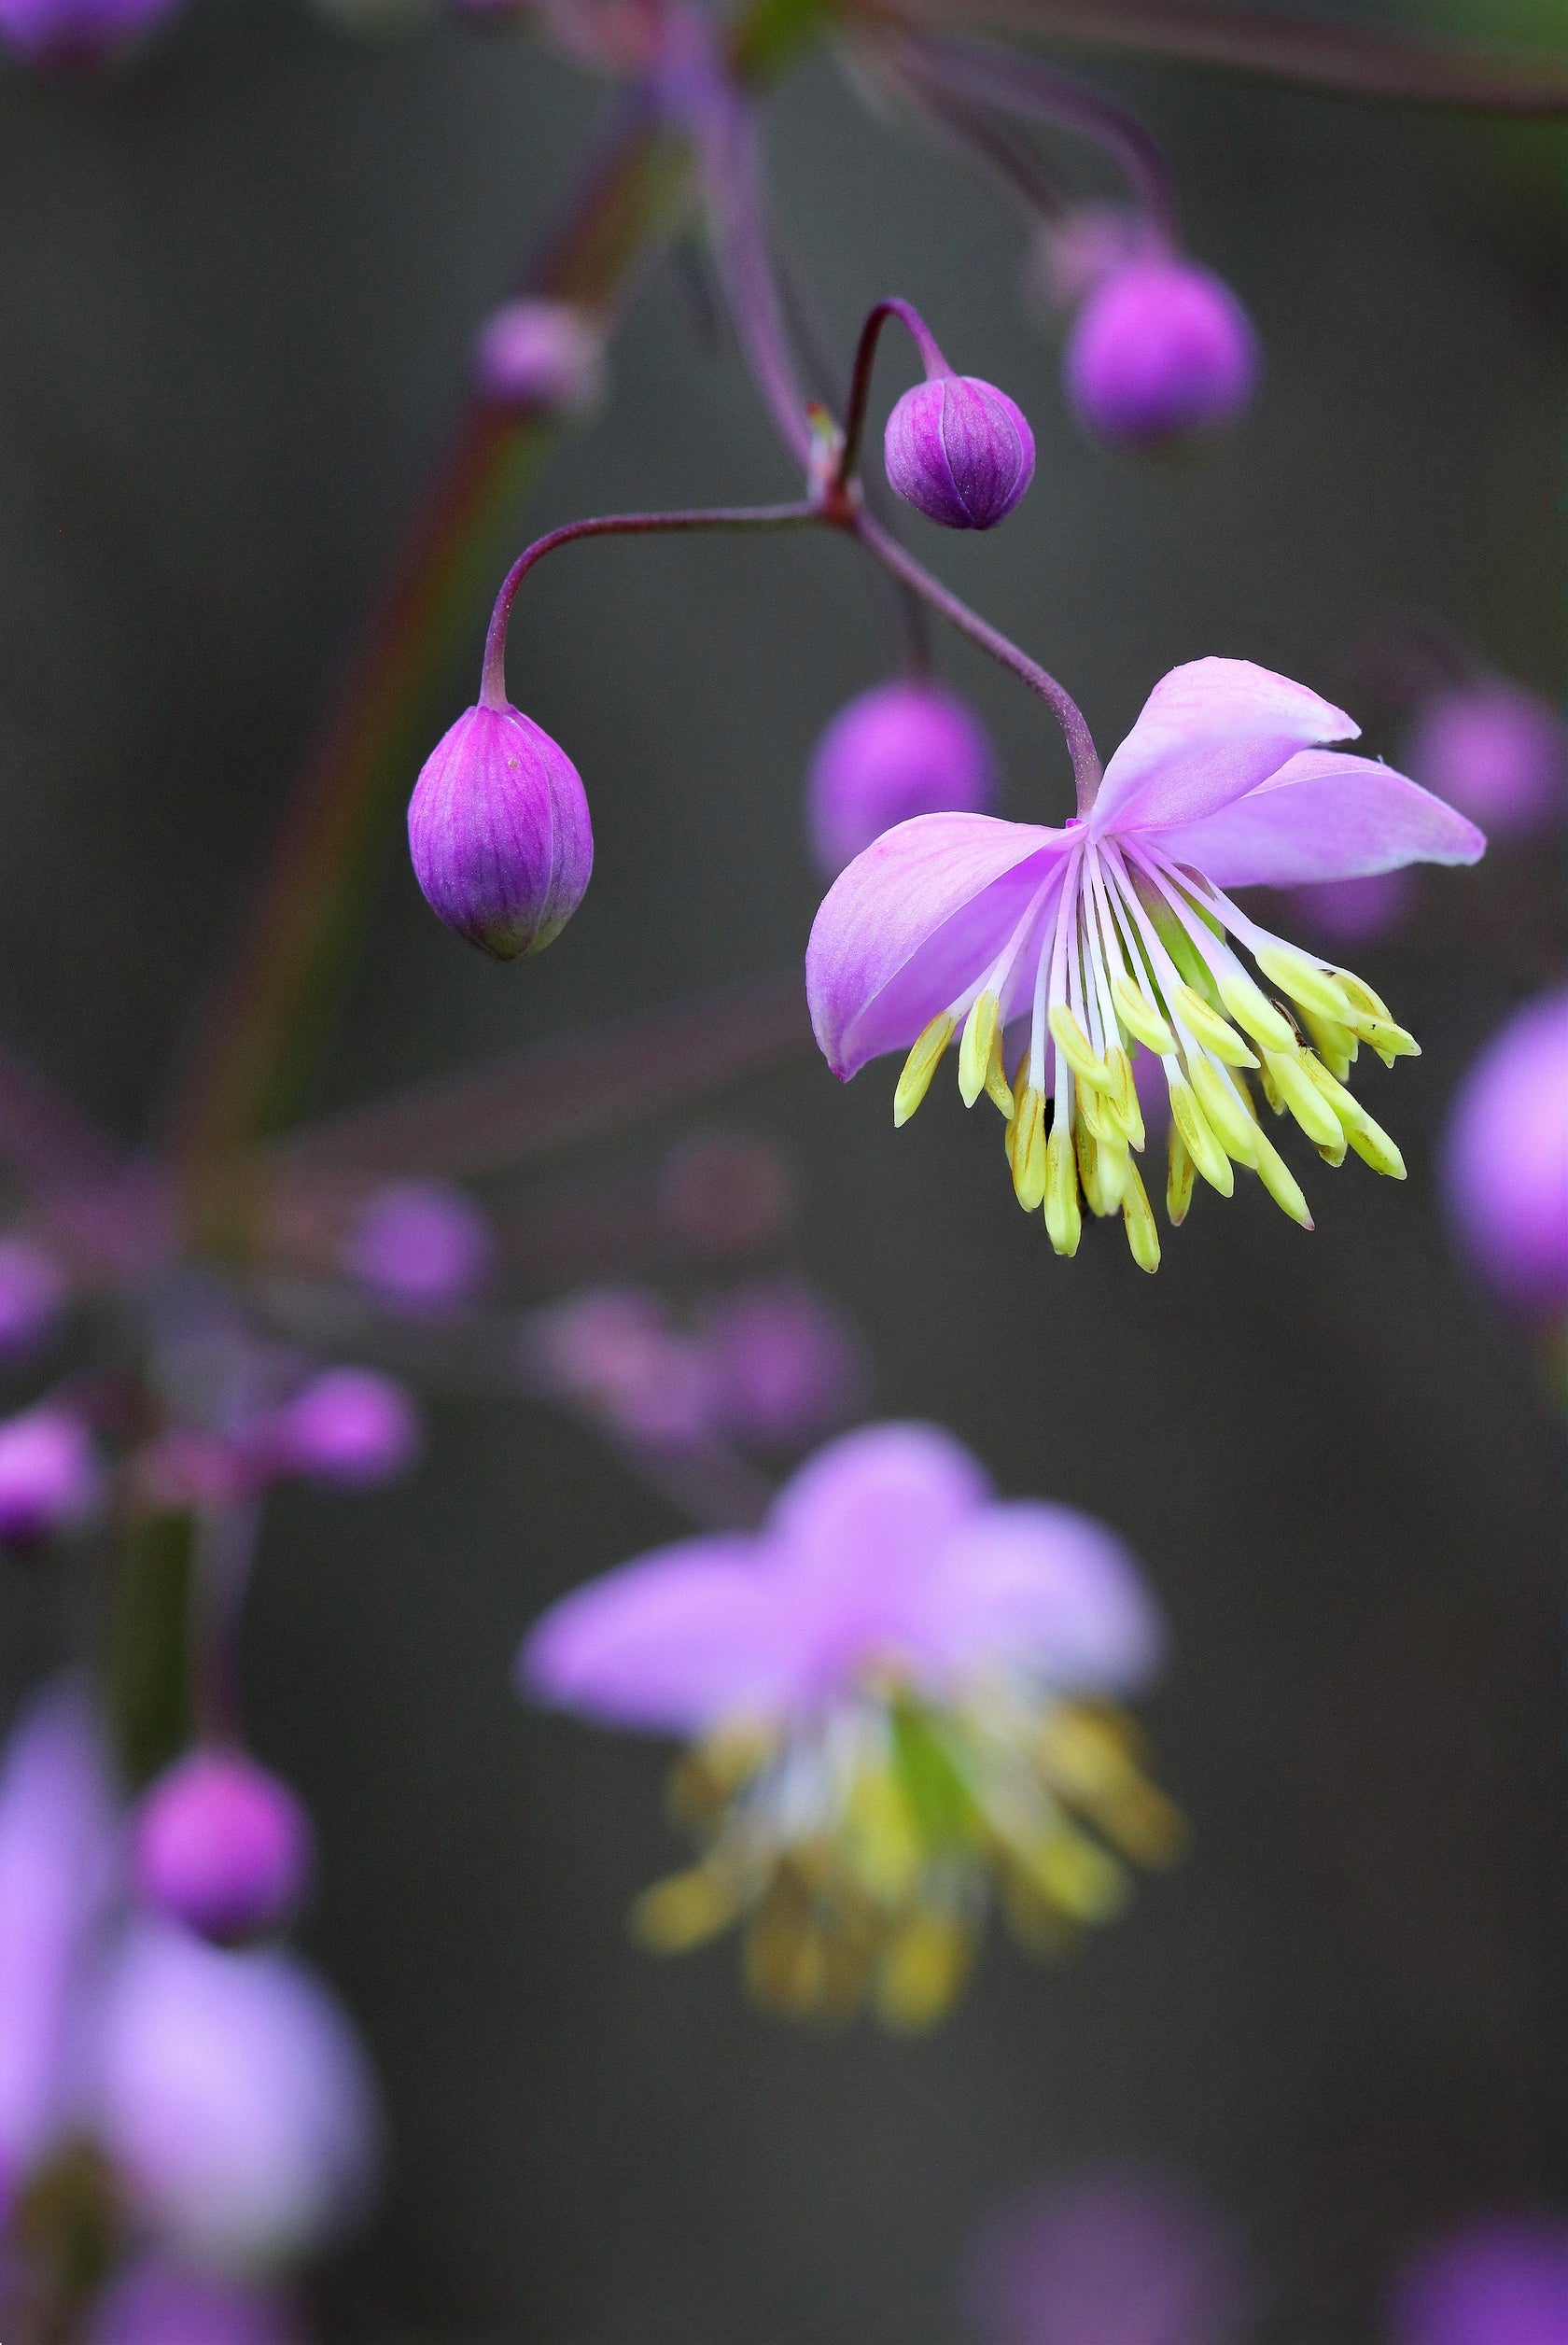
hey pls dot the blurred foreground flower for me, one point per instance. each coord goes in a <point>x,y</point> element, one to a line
<point>1503,2281</point>
<point>896,1692</point>
<point>1505,1159</point>
<point>1113,932</point>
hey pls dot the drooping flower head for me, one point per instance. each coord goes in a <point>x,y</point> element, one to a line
<point>1506,1159</point>
<point>956,448</point>
<point>1161,353</point>
<point>1075,947</point>
<point>1503,2281</point>
<point>899,749</point>
<point>499,831</point>
<point>896,1692</point>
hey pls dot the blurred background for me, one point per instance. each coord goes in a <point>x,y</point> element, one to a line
<point>239,284</point>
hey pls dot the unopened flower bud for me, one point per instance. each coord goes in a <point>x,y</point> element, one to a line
<point>221,1846</point>
<point>543,354</point>
<point>48,1476</point>
<point>31,1290</point>
<point>959,451</point>
<point>1506,1159</point>
<point>1495,751</point>
<point>418,1247</point>
<point>350,1426</point>
<point>74,34</point>
<point>786,1367</point>
<point>897,750</point>
<point>1161,353</point>
<point>499,833</point>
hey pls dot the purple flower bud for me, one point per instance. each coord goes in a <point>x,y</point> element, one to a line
<point>1495,751</point>
<point>547,354</point>
<point>48,1476</point>
<point>1355,912</point>
<point>499,833</point>
<point>419,1247</point>
<point>897,750</point>
<point>31,1290</point>
<point>165,2304</point>
<point>222,1845</point>
<point>1161,353</point>
<point>351,1426</point>
<point>959,451</point>
<point>76,33</point>
<point>1072,255</point>
<point>1506,1159</point>
<point>612,1352</point>
<point>786,1367</point>
<point>1499,2283</point>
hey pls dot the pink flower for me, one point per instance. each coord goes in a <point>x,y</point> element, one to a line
<point>1116,931</point>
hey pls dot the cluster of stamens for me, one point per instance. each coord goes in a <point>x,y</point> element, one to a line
<point>1128,948</point>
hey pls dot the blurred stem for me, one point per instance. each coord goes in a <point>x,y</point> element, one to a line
<point>149,1663</point>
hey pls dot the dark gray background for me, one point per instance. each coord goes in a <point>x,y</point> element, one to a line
<point>236,287</point>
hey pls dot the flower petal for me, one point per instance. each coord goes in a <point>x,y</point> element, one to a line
<point>881,1499</point>
<point>912,923</point>
<point>1326,816</point>
<point>1209,733</point>
<point>677,1640</point>
<point>1043,1590</point>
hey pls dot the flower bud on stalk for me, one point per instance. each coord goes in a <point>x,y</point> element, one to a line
<point>1505,1159</point>
<point>499,833</point>
<point>48,1476</point>
<point>959,451</point>
<point>221,1846</point>
<point>895,751</point>
<point>350,1426</point>
<point>1161,354</point>
<point>542,355</point>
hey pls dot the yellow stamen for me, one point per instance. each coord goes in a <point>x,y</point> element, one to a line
<point>1336,1044</point>
<point>1202,1146</point>
<point>1304,982</point>
<point>1129,1113</point>
<point>1231,1125</point>
<point>1280,1181</point>
<point>1139,1016</point>
<point>1180,1175</point>
<point>1305,1101</point>
<point>1138,1220</point>
<point>1029,1151</point>
<point>1368,1139</point>
<point>1271,1091</point>
<point>684,1911</point>
<point>1063,1220</point>
<point>1252,1010</point>
<point>918,1068</point>
<point>1209,1027</point>
<point>1078,1053</point>
<point>997,1085</point>
<point>975,1051</point>
<point>922,1971</point>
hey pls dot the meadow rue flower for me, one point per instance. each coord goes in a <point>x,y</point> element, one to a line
<point>958,449</point>
<point>538,354</point>
<point>32,1293</point>
<point>499,833</point>
<point>48,1475</point>
<point>1496,751</point>
<point>75,33</point>
<point>899,749</point>
<point>222,1845</point>
<point>1506,1159</point>
<point>349,1426</point>
<point>898,1694</point>
<point>1501,2281</point>
<point>419,1247</point>
<point>1161,352</point>
<point>1117,933</point>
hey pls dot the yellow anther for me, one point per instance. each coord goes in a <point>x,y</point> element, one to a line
<point>975,1051</point>
<point>1074,1873</point>
<point>1373,1145</point>
<point>1305,1101</point>
<point>1252,1008</point>
<point>1063,1220</point>
<point>1110,1163</point>
<point>683,1910</point>
<point>1096,1115</point>
<point>1138,1221</point>
<point>1271,1091</point>
<point>1029,1151</point>
<point>1280,1181</point>
<point>1336,1046</point>
<point>1362,996</point>
<point>1390,1042</point>
<point>1209,1027</point>
<point>1180,1175</point>
<point>1234,1128</point>
<point>1078,1053</point>
<point>1202,1146</point>
<point>1315,988</point>
<point>1129,1113</point>
<point>921,1971</point>
<point>918,1068</point>
<point>1139,1016</point>
<point>997,1085</point>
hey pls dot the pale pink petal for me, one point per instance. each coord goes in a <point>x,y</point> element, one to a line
<point>1209,733</point>
<point>1045,1590</point>
<point>1325,816</point>
<point>912,923</point>
<point>881,1499</point>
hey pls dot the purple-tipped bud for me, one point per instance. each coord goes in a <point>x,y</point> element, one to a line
<point>897,750</point>
<point>1495,751</point>
<point>74,34</point>
<point>959,451</point>
<point>1355,912</point>
<point>1162,352</point>
<point>48,1476</point>
<point>499,833</point>
<point>31,1290</point>
<point>350,1426</point>
<point>786,1367</point>
<point>1506,1159</point>
<point>543,354</point>
<point>221,1846</point>
<point>419,1247</point>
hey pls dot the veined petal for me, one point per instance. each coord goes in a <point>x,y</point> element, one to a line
<point>1209,733</point>
<point>912,923</point>
<point>680,1638</point>
<point>1325,816</point>
<point>1046,1590</point>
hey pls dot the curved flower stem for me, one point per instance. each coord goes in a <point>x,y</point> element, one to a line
<point>1080,741</point>
<point>492,691</point>
<point>860,380</point>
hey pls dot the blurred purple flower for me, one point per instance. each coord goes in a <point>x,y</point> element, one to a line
<point>1503,2281</point>
<point>899,749</point>
<point>1506,1159</point>
<point>1355,912</point>
<point>48,1476</point>
<point>32,1293</point>
<point>222,1845</point>
<point>1109,2258</point>
<point>612,1352</point>
<point>419,1247</point>
<point>1496,751</point>
<point>156,2303</point>
<point>73,33</point>
<point>1161,353</point>
<point>538,354</point>
<point>1073,255</point>
<point>352,1426</point>
<point>785,1367</point>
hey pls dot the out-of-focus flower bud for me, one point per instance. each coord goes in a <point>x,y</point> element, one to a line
<point>419,1247</point>
<point>1161,353</point>
<point>1074,254</point>
<point>233,2098</point>
<point>31,1290</point>
<point>1495,751</point>
<point>349,1426</point>
<point>899,749</point>
<point>1355,912</point>
<point>222,1845</point>
<point>1506,1159</point>
<point>1502,2281</point>
<point>543,354</point>
<point>959,451</point>
<point>156,2303</point>
<point>612,1352</point>
<point>48,1476</point>
<point>71,34</point>
<point>784,1366</point>
<point>724,1193</point>
<point>499,833</point>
